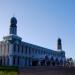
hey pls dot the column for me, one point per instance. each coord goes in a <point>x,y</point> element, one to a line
<point>11,60</point>
<point>10,49</point>
<point>10,54</point>
<point>6,53</point>
<point>31,61</point>
<point>39,62</point>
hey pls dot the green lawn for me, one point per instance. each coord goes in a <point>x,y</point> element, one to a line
<point>8,71</point>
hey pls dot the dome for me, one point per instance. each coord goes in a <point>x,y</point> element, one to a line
<point>59,39</point>
<point>13,20</point>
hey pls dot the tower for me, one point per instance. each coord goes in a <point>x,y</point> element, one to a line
<point>13,32</point>
<point>59,44</point>
<point>13,26</point>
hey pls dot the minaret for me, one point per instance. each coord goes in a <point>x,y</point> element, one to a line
<point>13,26</point>
<point>13,31</point>
<point>59,44</point>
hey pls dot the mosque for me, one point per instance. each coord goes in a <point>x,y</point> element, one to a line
<point>15,52</point>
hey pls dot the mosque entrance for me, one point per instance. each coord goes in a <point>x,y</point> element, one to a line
<point>34,63</point>
<point>52,61</point>
<point>57,62</point>
<point>42,62</point>
<point>48,63</point>
<point>61,62</point>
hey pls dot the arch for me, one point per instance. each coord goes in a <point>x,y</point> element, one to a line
<point>52,61</point>
<point>1,61</point>
<point>46,58</point>
<point>42,62</point>
<point>7,60</point>
<point>18,60</point>
<point>35,63</point>
<point>47,61</point>
<point>14,60</point>
<point>57,61</point>
<point>61,62</point>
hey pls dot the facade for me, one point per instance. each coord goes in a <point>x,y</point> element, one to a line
<point>15,52</point>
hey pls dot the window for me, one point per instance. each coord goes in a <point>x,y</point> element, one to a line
<point>8,47</point>
<point>14,47</point>
<point>41,51</point>
<point>13,60</point>
<point>18,48</point>
<point>38,51</point>
<point>44,52</point>
<point>7,60</point>
<point>29,50</point>
<point>0,61</point>
<point>32,50</point>
<point>26,49</point>
<point>18,60</point>
<point>35,51</point>
<point>4,60</point>
<point>25,61</point>
<point>22,48</point>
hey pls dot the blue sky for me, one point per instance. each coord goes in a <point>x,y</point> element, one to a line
<point>41,22</point>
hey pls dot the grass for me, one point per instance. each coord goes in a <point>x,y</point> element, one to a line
<point>8,70</point>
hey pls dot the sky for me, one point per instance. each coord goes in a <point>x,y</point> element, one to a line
<point>41,22</point>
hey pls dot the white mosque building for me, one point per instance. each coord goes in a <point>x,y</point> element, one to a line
<point>15,52</point>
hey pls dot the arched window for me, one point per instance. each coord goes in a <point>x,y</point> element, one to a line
<point>26,49</point>
<point>46,58</point>
<point>18,48</point>
<point>14,47</point>
<point>61,62</point>
<point>52,61</point>
<point>13,60</point>
<point>22,48</point>
<point>17,60</point>
<point>7,61</point>
<point>56,61</point>
<point>0,61</point>
<point>29,50</point>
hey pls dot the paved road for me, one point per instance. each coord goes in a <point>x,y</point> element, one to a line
<point>47,71</point>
